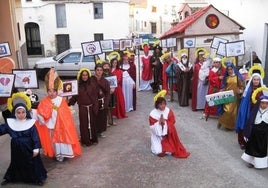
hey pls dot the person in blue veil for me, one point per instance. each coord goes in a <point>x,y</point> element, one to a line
<point>227,112</point>
<point>246,105</point>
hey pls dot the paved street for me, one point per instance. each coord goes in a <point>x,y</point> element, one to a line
<point>123,159</point>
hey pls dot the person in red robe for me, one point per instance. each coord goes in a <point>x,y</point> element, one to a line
<point>147,71</point>
<point>120,110</point>
<point>165,64</point>
<point>164,136</point>
<point>215,77</point>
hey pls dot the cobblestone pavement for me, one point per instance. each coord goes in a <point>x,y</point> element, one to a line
<point>123,159</point>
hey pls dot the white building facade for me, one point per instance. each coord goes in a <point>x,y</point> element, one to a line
<point>54,26</point>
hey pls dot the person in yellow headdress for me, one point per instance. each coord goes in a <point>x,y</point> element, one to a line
<point>129,83</point>
<point>164,136</point>
<point>157,68</point>
<point>103,89</point>
<point>200,72</point>
<point>87,100</point>
<point>184,75</point>
<point>55,123</point>
<point>147,71</point>
<point>120,110</point>
<point>25,164</point>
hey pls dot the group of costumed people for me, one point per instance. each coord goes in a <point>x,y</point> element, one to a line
<point>210,76</point>
<point>50,125</point>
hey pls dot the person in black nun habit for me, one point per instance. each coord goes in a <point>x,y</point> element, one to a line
<point>256,135</point>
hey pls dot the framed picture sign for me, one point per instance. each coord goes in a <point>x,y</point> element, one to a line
<point>69,88</point>
<point>112,81</point>
<point>25,78</point>
<point>6,84</point>
<point>4,49</point>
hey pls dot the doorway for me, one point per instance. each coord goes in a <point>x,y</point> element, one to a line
<point>33,42</point>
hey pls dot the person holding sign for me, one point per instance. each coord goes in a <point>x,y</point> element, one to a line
<point>215,81</point>
<point>120,110</point>
<point>199,88</point>
<point>55,123</point>
<point>103,89</point>
<point>227,112</point>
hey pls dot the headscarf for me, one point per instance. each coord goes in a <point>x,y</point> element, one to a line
<point>236,72</point>
<point>18,106</point>
<point>249,84</point>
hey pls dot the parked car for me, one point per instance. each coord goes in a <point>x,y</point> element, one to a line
<point>67,63</point>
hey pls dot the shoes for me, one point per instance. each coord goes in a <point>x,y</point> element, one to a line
<point>249,165</point>
<point>219,126</point>
<point>242,146</point>
<point>40,183</point>
<point>60,158</point>
<point>4,182</point>
<point>161,154</point>
<point>102,135</point>
<point>204,116</point>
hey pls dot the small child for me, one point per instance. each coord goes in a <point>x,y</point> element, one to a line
<point>55,123</point>
<point>164,137</point>
<point>26,164</point>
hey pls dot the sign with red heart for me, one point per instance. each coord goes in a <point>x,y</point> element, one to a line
<point>4,81</point>
<point>6,84</point>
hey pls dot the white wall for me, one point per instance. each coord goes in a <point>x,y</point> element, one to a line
<point>252,15</point>
<point>81,24</point>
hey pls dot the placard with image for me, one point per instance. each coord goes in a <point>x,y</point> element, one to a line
<point>112,81</point>
<point>91,48</point>
<point>4,49</point>
<point>6,84</point>
<point>236,48</point>
<point>69,88</point>
<point>216,42</point>
<point>107,45</point>
<point>25,78</point>
<point>125,43</point>
<point>221,50</point>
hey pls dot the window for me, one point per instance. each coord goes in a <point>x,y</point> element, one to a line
<point>153,27</point>
<point>72,58</point>
<point>61,16</point>
<point>98,36</point>
<point>98,10</point>
<point>88,59</point>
